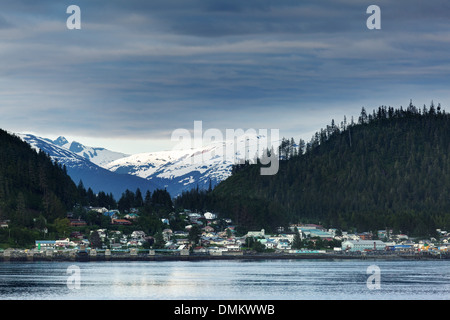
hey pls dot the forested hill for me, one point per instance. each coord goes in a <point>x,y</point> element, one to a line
<point>390,169</point>
<point>33,189</point>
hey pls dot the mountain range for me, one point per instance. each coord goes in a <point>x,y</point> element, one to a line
<point>81,165</point>
<point>174,170</point>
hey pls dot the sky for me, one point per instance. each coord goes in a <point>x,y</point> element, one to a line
<point>139,69</point>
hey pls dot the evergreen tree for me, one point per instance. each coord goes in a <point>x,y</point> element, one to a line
<point>297,243</point>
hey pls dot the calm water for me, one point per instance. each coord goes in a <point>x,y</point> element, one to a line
<point>226,280</point>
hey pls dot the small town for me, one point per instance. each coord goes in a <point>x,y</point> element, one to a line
<point>205,235</point>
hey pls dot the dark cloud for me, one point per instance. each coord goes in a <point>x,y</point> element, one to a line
<point>143,68</point>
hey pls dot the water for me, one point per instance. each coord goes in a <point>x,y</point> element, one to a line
<point>225,280</point>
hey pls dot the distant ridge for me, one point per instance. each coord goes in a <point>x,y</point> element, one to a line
<point>80,168</point>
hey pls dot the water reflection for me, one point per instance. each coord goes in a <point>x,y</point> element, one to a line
<point>265,280</point>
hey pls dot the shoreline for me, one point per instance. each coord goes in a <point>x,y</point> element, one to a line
<point>98,257</point>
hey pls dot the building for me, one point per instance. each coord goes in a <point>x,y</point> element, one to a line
<point>47,244</point>
<point>384,233</point>
<point>210,216</point>
<point>63,243</point>
<point>256,234</point>
<point>98,209</point>
<point>194,216</point>
<point>317,233</point>
<point>363,245</point>
<point>365,236</point>
<point>122,222</point>
<point>113,214</point>
<point>77,223</point>
<point>208,229</point>
<point>138,235</point>
<point>131,216</point>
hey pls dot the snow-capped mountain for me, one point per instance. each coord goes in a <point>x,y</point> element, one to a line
<point>99,156</point>
<point>180,170</point>
<point>82,168</point>
<point>175,170</point>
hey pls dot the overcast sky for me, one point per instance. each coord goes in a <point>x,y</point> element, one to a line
<point>139,69</point>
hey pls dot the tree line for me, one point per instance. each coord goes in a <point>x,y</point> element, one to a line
<point>389,168</point>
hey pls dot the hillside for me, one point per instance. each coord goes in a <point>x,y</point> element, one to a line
<point>33,189</point>
<point>391,169</point>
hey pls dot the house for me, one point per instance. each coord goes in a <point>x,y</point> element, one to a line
<point>233,247</point>
<point>216,250</point>
<point>134,243</point>
<point>63,243</point>
<point>268,243</point>
<point>180,234</point>
<point>349,236</point>
<point>208,229</point>
<point>113,214</point>
<point>256,234</point>
<point>167,234</point>
<point>101,233</point>
<point>363,245</point>
<point>138,235</point>
<point>333,232</point>
<point>365,236</point>
<point>98,209</point>
<point>131,216</point>
<point>76,234</point>
<point>77,223</point>
<point>194,215</point>
<point>122,222</point>
<point>402,237</point>
<point>284,245</point>
<point>4,224</point>
<point>182,241</point>
<point>200,250</point>
<point>210,216</point>
<point>216,241</point>
<point>384,233</point>
<point>311,227</point>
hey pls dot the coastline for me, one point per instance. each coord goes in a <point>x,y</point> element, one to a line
<point>61,256</point>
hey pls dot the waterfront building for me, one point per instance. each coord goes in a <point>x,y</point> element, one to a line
<point>45,244</point>
<point>363,245</point>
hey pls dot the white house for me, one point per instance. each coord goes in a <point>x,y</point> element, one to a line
<point>138,235</point>
<point>210,216</point>
<point>194,215</point>
<point>256,233</point>
<point>62,242</point>
<point>98,209</point>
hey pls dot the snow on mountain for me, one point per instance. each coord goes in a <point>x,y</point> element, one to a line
<point>62,155</point>
<point>99,156</point>
<point>175,170</point>
<point>180,170</point>
<point>82,168</point>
